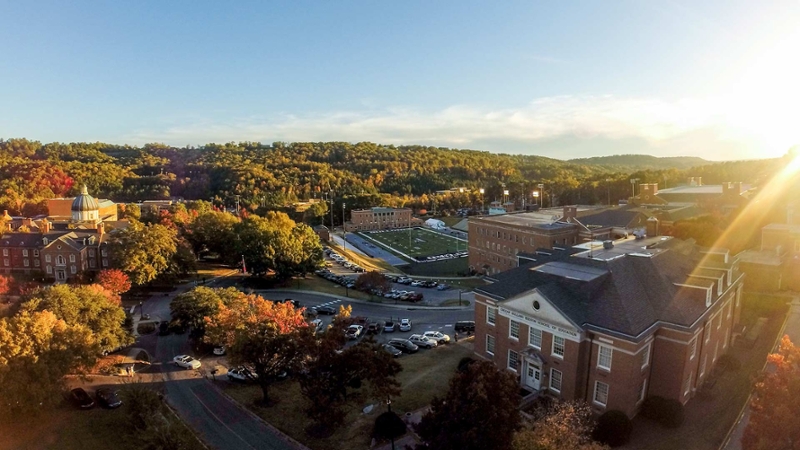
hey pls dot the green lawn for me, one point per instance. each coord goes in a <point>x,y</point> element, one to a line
<point>425,374</point>
<point>417,242</point>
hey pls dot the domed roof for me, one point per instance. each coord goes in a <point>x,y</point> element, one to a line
<point>85,202</point>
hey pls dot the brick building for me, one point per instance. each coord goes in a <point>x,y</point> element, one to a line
<point>613,325</point>
<point>379,218</point>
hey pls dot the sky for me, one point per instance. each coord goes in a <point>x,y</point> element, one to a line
<point>718,79</point>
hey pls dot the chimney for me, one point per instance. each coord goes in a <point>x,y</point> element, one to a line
<point>647,191</point>
<point>46,226</point>
<point>652,227</point>
<point>27,222</point>
<point>100,229</point>
<point>570,212</point>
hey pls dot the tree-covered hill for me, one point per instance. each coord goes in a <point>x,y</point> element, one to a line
<point>633,163</point>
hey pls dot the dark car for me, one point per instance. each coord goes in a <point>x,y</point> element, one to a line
<point>403,345</point>
<point>374,328</point>
<point>81,399</point>
<point>465,326</point>
<point>327,310</point>
<point>392,350</point>
<point>108,398</point>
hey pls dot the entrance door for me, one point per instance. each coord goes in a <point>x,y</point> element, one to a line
<point>534,377</point>
<point>61,275</point>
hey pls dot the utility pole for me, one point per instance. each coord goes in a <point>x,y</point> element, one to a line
<point>331,211</point>
<point>541,195</point>
<point>344,232</point>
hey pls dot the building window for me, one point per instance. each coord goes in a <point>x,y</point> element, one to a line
<point>36,263</point>
<point>73,269</point>
<point>49,269</point>
<point>5,252</point>
<point>558,346</point>
<point>719,320</point>
<point>730,309</point>
<point>36,253</point>
<point>646,356</point>
<point>71,258</point>
<point>535,338</point>
<point>692,348</point>
<point>47,258</point>
<point>703,365</point>
<point>6,262</point>
<point>490,344</point>
<point>26,262</point>
<point>555,380</point>
<point>491,315</point>
<point>604,357</point>
<point>707,331</point>
<point>513,330</point>
<point>716,350</point>
<point>104,252</point>
<point>642,391</point>
<point>60,260</point>
<point>25,252</point>
<point>92,264</point>
<point>600,393</point>
<point>105,263</point>
<point>687,385</point>
<point>513,360</point>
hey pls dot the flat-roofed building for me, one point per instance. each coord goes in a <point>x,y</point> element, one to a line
<point>379,218</point>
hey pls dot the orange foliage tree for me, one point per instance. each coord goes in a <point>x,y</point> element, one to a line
<point>263,335</point>
<point>774,422</point>
<point>114,280</point>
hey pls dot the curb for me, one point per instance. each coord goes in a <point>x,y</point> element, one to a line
<point>283,436</point>
<point>353,300</point>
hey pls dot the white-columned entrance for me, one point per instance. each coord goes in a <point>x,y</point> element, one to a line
<point>533,376</point>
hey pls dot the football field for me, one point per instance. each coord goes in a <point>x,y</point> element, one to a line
<point>417,243</point>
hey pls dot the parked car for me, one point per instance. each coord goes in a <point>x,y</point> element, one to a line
<point>464,326</point>
<point>374,328</point>
<point>422,341</point>
<point>354,331</point>
<point>219,351</point>
<point>389,327</point>
<point>241,374</point>
<point>325,309</point>
<point>405,324</point>
<point>442,287</point>
<point>403,345</point>
<point>437,336</point>
<point>392,350</point>
<point>108,398</point>
<point>317,325</point>
<point>186,361</point>
<point>81,399</point>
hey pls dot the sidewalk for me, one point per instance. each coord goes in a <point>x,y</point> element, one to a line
<point>791,327</point>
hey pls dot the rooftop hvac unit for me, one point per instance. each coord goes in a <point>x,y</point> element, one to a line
<point>608,245</point>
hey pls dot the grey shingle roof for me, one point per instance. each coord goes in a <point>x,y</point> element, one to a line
<point>613,218</point>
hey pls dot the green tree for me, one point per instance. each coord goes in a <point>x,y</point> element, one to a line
<point>130,211</point>
<point>212,231</point>
<point>261,334</point>
<point>774,423</point>
<point>276,243</point>
<point>37,349</point>
<point>86,306</point>
<point>143,252</point>
<point>479,411</point>
<point>191,308</point>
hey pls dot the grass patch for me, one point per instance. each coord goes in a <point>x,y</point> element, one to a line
<point>425,374</point>
<point>455,302</point>
<point>450,220</point>
<point>416,242</point>
<point>317,284</point>
<point>367,263</point>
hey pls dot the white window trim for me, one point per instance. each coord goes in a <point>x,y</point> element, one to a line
<point>596,390</point>
<point>533,330</point>
<point>693,348</point>
<point>489,315</point>
<point>488,338</point>
<point>560,380</point>
<point>707,332</point>
<point>643,392</point>
<point>508,362</point>
<point>511,322</point>
<point>688,384</point>
<point>646,356</point>
<point>563,347</point>
<point>610,357</point>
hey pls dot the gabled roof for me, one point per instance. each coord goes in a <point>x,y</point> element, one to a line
<point>623,295</point>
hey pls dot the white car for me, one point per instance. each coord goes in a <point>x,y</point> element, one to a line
<point>422,341</point>
<point>241,374</point>
<point>354,331</point>
<point>437,336</point>
<point>219,351</point>
<point>187,362</point>
<point>405,324</point>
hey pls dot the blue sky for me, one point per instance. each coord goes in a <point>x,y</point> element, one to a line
<point>717,80</point>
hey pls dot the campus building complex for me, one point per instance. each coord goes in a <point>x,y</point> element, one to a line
<point>379,218</point>
<point>612,324</point>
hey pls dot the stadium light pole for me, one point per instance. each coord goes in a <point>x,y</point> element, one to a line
<point>344,231</point>
<point>541,195</point>
<point>481,191</point>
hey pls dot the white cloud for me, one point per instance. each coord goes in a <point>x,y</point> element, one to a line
<point>625,125</point>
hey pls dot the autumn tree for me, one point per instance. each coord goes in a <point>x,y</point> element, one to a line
<point>259,333</point>
<point>85,306</point>
<point>372,280</point>
<point>191,308</point>
<point>143,252</point>
<point>114,280</point>
<point>563,426</point>
<point>212,231</point>
<point>774,423</point>
<point>5,284</point>
<point>37,349</point>
<point>479,411</point>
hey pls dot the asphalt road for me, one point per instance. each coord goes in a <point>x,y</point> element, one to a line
<point>221,422</point>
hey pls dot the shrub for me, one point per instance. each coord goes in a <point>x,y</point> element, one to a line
<point>389,426</point>
<point>464,363</point>
<point>667,412</point>
<point>613,428</point>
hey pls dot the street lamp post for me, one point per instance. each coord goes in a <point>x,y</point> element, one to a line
<point>344,230</point>
<point>481,191</point>
<point>331,211</point>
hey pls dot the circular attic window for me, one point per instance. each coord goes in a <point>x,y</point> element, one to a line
<point>536,305</point>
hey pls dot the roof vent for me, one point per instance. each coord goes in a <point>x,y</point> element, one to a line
<point>608,245</point>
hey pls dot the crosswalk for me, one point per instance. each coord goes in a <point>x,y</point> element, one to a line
<point>331,303</point>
